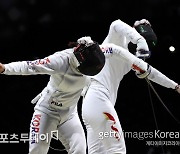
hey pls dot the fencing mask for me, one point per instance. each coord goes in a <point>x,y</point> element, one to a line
<point>90,58</point>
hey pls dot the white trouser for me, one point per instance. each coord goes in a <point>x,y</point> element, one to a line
<point>104,132</point>
<point>70,133</point>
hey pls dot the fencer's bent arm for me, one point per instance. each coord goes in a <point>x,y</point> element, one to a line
<point>119,28</point>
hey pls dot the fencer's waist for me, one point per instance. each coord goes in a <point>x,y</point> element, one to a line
<point>111,94</point>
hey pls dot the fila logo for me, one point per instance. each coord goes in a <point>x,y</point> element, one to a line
<point>56,103</point>
<point>113,125</point>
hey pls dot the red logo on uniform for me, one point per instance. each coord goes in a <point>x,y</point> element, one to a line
<point>39,62</point>
<point>113,127</point>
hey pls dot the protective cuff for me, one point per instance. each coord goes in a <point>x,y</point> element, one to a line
<point>145,74</point>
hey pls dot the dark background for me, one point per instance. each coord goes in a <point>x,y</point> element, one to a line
<point>31,29</point>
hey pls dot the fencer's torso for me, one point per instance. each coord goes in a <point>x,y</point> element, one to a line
<point>63,92</point>
<point>112,74</point>
<point>115,67</point>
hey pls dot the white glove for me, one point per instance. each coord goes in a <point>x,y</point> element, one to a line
<point>85,40</point>
<point>142,47</point>
<point>142,21</point>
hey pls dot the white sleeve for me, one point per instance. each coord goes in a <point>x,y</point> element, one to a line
<point>111,49</point>
<point>48,65</point>
<point>138,65</point>
<point>161,79</point>
<point>119,28</point>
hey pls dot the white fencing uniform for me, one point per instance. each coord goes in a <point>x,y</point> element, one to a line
<point>104,132</point>
<point>56,105</point>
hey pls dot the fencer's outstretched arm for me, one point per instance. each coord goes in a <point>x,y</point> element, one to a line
<point>142,68</point>
<point>159,78</point>
<point>48,65</point>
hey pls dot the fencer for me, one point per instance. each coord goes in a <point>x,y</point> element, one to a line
<point>56,105</point>
<point>98,112</point>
